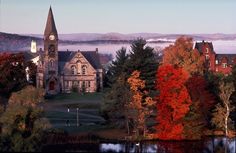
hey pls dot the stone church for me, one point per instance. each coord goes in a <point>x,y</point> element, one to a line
<point>66,71</point>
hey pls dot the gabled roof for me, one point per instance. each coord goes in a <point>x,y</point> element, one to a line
<point>50,25</point>
<point>91,56</point>
<point>230,57</point>
<point>201,45</point>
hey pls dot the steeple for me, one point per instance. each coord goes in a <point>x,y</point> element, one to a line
<point>50,25</point>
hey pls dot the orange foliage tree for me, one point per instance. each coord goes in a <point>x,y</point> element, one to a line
<point>173,102</point>
<point>140,103</point>
<point>183,55</point>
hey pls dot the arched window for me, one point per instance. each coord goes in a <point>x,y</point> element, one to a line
<point>51,63</point>
<point>84,69</point>
<point>73,70</point>
<point>79,66</point>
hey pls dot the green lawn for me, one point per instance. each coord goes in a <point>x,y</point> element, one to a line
<point>76,97</point>
<point>88,104</point>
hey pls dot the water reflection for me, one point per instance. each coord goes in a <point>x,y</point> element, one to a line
<point>210,145</point>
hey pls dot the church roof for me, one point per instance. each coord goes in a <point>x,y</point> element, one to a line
<point>201,45</point>
<point>91,56</point>
<point>50,25</point>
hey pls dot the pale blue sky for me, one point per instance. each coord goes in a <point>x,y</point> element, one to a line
<point>123,16</point>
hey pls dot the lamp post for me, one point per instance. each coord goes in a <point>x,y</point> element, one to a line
<point>77,116</point>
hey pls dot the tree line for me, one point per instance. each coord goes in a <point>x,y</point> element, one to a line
<point>172,99</point>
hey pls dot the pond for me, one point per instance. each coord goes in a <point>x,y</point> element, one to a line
<point>208,145</point>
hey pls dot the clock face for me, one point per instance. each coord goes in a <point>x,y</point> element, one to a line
<point>51,37</point>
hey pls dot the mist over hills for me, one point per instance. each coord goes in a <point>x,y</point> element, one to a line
<point>18,42</point>
<point>119,36</point>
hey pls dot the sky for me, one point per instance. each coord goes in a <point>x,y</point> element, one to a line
<point>122,16</point>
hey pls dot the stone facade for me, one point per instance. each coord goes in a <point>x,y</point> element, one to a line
<point>66,71</point>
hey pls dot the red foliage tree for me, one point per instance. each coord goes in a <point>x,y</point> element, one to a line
<point>173,102</point>
<point>197,87</point>
<point>12,73</point>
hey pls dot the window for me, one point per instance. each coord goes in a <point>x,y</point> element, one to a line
<point>66,84</point>
<point>51,63</point>
<point>83,70</point>
<point>73,70</point>
<point>217,69</point>
<point>74,83</point>
<point>224,65</point>
<point>217,62</point>
<point>88,83</point>
<point>207,57</point>
<point>207,50</point>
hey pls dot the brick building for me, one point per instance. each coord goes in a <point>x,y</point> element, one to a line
<point>218,63</point>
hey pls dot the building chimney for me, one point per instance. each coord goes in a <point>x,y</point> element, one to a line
<point>67,50</point>
<point>96,50</point>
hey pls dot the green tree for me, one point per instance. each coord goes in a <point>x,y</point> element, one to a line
<point>117,67</point>
<point>22,126</point>
<point>142,58</point>
<point>114,102</point>
<point>117,93</point>
<point>222,111</point>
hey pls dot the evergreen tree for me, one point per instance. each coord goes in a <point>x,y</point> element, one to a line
<point>117,67</point>
<point>142,58</point>
<point>117,94</point>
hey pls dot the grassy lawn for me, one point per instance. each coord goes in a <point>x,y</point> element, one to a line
<point>89,117</point>
<point>76,97</point>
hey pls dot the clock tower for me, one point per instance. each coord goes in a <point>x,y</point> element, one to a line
<point>51,79</point>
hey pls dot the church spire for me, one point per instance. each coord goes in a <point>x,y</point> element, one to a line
<point>50,25</point>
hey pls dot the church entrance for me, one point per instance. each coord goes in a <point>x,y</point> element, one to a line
<point>52,85</point>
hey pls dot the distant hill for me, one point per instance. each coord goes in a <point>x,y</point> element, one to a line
<point>16,42</point>
<point>118,36</point>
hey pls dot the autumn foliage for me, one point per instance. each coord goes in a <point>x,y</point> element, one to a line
<point>173,102</point>
<point>182,54</point>
<point>140,103</point>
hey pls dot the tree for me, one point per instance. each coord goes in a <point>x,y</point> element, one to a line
<point>32,72</point>
<point>222,111</point>
<point>114,102</point>
<point>139,109</point>
<point>173,101</point>
<point>183,55</point>
<point>117,67</point>
<point>143,59</point>
<point>23,128</point>
<point>12,73</point>
<point>29,96</point>
<point>117,94</point>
